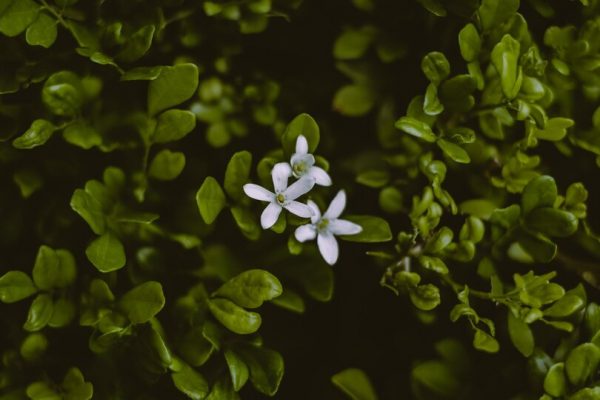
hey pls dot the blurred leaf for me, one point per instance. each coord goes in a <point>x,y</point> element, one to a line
<point>167,165</point>
<point>173,86</point>
<point>173,125</point>
<point>355,384</point>
<point>237,174</point>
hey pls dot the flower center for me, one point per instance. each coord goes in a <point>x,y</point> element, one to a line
<point>300,168</point>
<point>280,198</point>
<point>323,224</point>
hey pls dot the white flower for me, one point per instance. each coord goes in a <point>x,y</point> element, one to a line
<point>326,226</point>
<point>284,196</point>
<point>303,164</point>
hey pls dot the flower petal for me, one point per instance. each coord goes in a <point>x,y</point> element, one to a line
<point>300,187</point>
<point>258,192</point>
<point>280,174</point>
<point>301,145</point>
<point>316,212</point>
<point>321,177</point>
<point>343,227</point>
<point>299,209</point>
<point>269,215</point>
<point>336,206</point>
<point>305,232</point>
<point>328,247</point>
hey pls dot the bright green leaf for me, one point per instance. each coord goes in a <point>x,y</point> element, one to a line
<point>210,199</point>
<point>143,302</point>
<point>106,253</point>
<point>251,288</point>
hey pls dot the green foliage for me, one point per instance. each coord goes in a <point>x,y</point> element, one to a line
<point>463,137</point>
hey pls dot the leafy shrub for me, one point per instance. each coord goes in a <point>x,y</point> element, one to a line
<point>435,161</point>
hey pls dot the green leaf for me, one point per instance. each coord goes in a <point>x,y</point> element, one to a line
<point>505,57</point>
<point>353,43</point>
<point>456,93</point>
<point>564,307</point>
<point>40,391</point>
<point>75,387</point>
<point>373,178</point>
<point>191,383</point>
<point>167,165</point>
<point>63,94</point>
<point>237,174</point>
<point>16,286</point>
<point>290,300</point>
<point>484,342</point>
<point>222,389</point>
<point>173,86</point>
<point>454,151</point>
<point>34,346</point>
<point>210,199</point>
<point>234,317</point>
<point>173,125</point>
<point>251,288</point>
<point>436,67</point>
<point>106,253</point>
<point>354,100</point>
<point>539,192</point>
<point>62,313</point>
<point>143,302</point>
<point>43,31</point>
<point>142,73</point>
<point>302,124</point>
<point>247,222</point>
<point>582,363</point>
<point>137,45</point>
<point>53,269</point>
<point>83,135</point>
<point>520,335</point>
<point>555,382</point>
<point>432,104</point>
<point>494,12</point>
<point>538,246</point>
<point>555,129</point>
<point>194,348</point>
<point>39,313</point>
<point>355,383</point>
<point>89,209</point>
<point>438,377</point>
<point>374,229</point>
<point>469,42</point>
<point>552,222</point>
<point>416,128</point>
<point>38,134</point>
<point>425,297</point>
<point>266,368</point>
<point>589,393</point>
<point>17,16</point>
<point>237,369</point>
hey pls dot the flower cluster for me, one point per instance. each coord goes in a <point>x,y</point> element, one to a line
<point>322,227</point>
